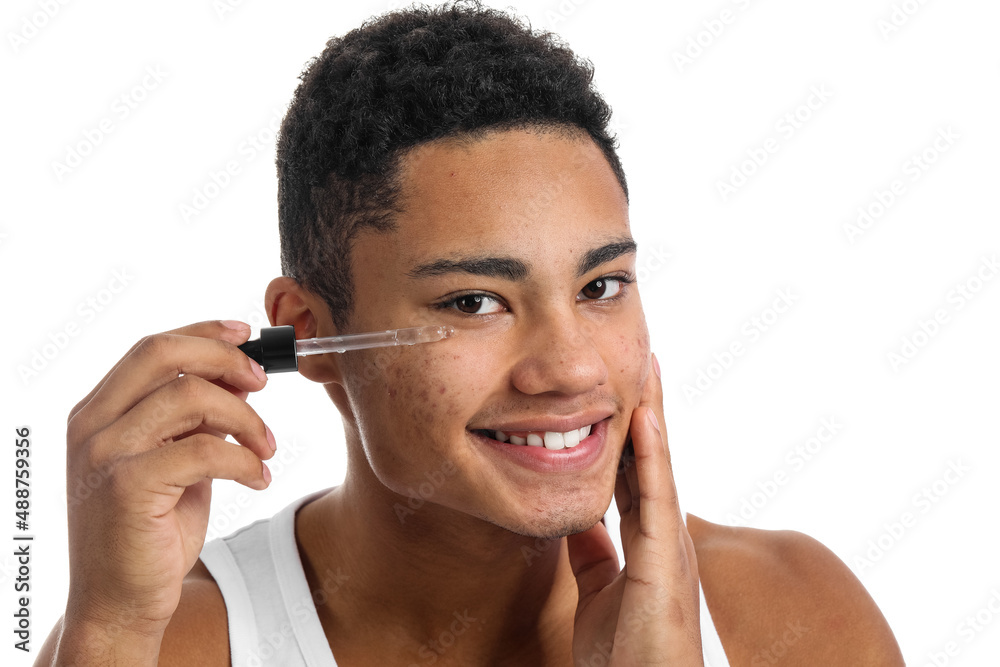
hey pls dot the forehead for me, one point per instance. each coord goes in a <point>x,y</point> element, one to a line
<point>504,190</point>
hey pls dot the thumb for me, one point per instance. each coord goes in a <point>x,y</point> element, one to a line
<point>594,561</point>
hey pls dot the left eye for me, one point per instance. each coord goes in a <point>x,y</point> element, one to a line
<point>602,288</point>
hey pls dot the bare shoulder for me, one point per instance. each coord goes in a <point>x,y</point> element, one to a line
<point>198,633</point>
<point>781,595</point>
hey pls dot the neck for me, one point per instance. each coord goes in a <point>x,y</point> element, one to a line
<point>433,582</point>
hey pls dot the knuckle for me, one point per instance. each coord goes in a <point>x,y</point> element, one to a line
<point>189,387</point>
<point>89,452</point>
<point>201,448</point>
<point>97,455</point>
<point>75,431</point>
<point>76,409</point>
<point>147,345</point>
<point>154,345</point>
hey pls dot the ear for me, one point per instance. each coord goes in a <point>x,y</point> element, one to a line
<point>288,302</point>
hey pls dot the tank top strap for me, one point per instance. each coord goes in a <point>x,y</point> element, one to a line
<point>271,611</point>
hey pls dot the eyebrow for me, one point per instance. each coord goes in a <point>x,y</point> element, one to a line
<point>509,268</point>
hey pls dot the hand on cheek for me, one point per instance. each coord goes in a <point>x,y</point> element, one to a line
<point>647,613</point>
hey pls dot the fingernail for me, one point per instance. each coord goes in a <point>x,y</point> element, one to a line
<point>656,366</point>
<point>652,418</point>
<point>270,438</point>
<point>234,324</point>
<point>267,473</point>
<point>257,370</point>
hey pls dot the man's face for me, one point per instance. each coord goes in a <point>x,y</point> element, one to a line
<point>521,242</point>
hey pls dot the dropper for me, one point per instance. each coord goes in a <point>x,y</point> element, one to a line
<point>277,351</point>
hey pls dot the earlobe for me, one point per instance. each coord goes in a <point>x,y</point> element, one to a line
<point>288,302</point>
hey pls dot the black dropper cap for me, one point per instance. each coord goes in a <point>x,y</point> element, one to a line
<point>274,350</point>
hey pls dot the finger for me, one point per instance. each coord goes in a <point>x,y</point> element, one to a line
<point>651,481</point>
<point>182,406</point>
<point>238,393</point>
<point>627,494</point>
<point>661,569</point>
<point>231,331</point>
<point>235,391</point>
<point>173,468</point>
<point>594,561</point>
<point>652,397</point>
<point>157,360</point>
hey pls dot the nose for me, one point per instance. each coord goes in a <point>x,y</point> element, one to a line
<point>560,355</point>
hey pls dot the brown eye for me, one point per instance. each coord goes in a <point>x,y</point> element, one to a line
<point>474,304</point>
<point>602,288</point>
<point>469,303</point>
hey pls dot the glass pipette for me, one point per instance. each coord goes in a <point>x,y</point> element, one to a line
<point>277,351</point>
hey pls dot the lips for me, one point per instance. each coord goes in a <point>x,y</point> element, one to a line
<point>544,423</point>
<point>548,457</point>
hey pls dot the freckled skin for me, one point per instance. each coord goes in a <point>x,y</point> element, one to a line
<point>545,200</point>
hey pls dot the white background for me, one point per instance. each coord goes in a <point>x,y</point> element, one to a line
<point>226,76</point>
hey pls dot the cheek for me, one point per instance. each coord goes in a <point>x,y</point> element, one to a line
<point>632,364</point>
<point>631,355</point>
<point>411,414</point>
<point>420,392</point>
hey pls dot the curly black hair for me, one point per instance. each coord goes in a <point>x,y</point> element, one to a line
<point>402,79</point>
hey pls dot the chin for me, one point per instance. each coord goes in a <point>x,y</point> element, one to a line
<point>557,521</point>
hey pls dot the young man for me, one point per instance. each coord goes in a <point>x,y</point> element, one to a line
<point>437,166</point>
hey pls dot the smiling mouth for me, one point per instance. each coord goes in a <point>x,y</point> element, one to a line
<point>547,439</point>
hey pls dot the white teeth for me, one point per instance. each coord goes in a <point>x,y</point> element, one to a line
<point>549,439</point>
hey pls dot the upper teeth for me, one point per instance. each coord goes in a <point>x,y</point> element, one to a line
<point>550,439</point>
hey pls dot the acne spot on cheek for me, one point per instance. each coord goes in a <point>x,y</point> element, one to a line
<point>624,351</point>
<point>442,389</point>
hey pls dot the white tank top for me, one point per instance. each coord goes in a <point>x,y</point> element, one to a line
<point>272,613</point>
